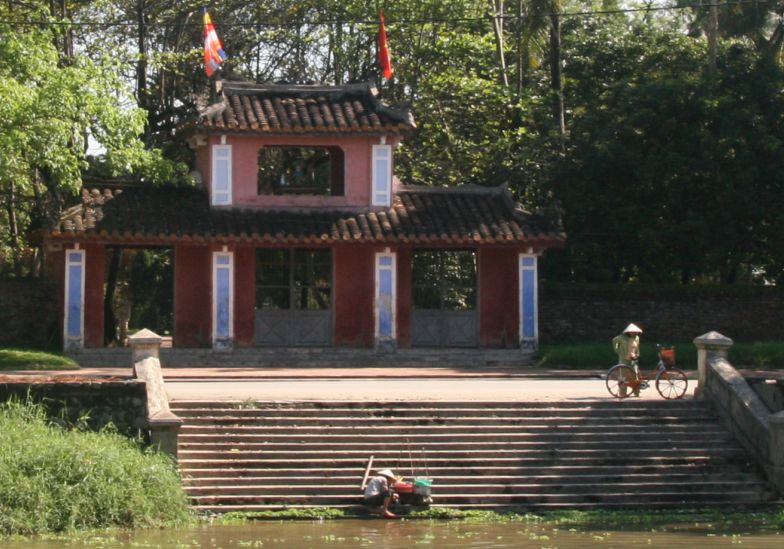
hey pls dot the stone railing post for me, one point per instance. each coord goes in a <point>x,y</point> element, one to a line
<point>709,346</point>
<point>164,425</point>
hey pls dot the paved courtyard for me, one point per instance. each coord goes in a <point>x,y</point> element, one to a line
<point>372,383</point>
<point>450,389</point>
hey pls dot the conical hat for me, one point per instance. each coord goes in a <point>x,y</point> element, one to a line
<point>632,329</point>
<point>387,473</point>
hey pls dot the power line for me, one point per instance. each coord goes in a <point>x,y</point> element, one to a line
<point>390,21</point>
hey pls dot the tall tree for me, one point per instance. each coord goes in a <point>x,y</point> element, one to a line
<point>49,104</point>
<point>673,174</point>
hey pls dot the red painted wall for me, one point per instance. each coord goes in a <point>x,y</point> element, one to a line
<point>192,296</point>
<point>498,297</point>
<point>353,295</point>
<point>357,151</point>
<point>404,296</point>
<point>95,279</point>
<point>244,295</point>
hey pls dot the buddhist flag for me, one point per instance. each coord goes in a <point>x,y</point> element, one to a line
<point>384,58</point>
<point>213,49</point>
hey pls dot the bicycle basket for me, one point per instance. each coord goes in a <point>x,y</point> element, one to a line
<point>668,357</point>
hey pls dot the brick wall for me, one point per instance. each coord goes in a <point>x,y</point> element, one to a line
<point>94,403</point>
<point>28,313</point>
<point>667,313</point>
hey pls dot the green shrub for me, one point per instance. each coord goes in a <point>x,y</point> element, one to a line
<point>26,359</point>
<point>757,354</point>
<point>53,480</point>
<point>599,355</point>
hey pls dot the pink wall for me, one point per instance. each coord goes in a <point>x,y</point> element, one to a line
<point>498,297</point>
<point>357,151</point>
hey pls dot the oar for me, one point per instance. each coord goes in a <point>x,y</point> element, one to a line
<point>367,473</point>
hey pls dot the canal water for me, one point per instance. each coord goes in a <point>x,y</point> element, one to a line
<point>379,534</point>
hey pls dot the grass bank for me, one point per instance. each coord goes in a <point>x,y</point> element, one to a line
<point>25,359</point>
<point>599,355</point>
<point>55,480</point>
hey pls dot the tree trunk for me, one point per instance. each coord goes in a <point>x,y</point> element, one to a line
<point>141,66</point>
<point>556,82</point>
<point>13,230</point>
<point>521,59</point>
<point>337,53</point>
<point>713,33</point>
<point>498,29</point>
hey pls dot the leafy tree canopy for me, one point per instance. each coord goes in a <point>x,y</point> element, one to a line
<point>50,103</point>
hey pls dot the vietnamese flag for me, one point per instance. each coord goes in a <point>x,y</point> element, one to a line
<point>384,58</point>
<point>213,49</point>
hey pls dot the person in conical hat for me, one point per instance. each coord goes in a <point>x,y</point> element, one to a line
<point>379,493</point>
<point>627,347</point>
<point>632,329</point>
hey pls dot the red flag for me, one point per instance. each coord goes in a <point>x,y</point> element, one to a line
<point>384,58</point>
<point>213,49</point>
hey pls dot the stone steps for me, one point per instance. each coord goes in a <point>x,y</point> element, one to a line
<point>650,485</point>
<point>197,483</point>
<point>419,443</point>
<point>425,429</point>
<point>434,449</point>
<point>442,456</point>
<point>600,498</point>
<point>253,456</point>
<point>541,506</point>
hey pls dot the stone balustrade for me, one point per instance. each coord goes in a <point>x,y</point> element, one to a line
<point>760,430</point>
<point>163,424</point>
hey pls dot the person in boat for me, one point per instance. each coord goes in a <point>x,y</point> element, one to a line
<point>379,494</point>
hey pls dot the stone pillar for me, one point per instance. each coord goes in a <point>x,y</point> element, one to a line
<point>528,303</point>
<point>385,305</point>
<point>144,344</point>
<point>223,300</point>
<point>776,448</point>
<point>164,425</point>
<point>709,346</point>
<point>73,308</point>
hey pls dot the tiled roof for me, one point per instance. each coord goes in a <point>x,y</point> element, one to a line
<point>467,215</point>
<point>302,109</point>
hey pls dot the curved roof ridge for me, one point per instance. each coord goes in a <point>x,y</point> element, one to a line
<point>237,115</point>
<point>468,188</point>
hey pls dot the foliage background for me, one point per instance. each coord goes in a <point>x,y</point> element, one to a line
<point>655,134</point>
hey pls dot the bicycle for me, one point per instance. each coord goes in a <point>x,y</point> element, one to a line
<point>671,383</point>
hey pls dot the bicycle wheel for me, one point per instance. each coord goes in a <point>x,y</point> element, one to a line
<point>618,378</point>
<point>671,384</point>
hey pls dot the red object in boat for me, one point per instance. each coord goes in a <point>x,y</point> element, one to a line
<point>403,487</point>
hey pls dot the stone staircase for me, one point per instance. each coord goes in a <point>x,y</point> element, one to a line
<point>246,456</point>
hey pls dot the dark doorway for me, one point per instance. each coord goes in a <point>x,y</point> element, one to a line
<point>139,292</point>
<point>445,299</point>
<point>293,297</point>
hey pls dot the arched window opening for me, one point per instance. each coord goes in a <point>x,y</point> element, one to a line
<point>315,171</point>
